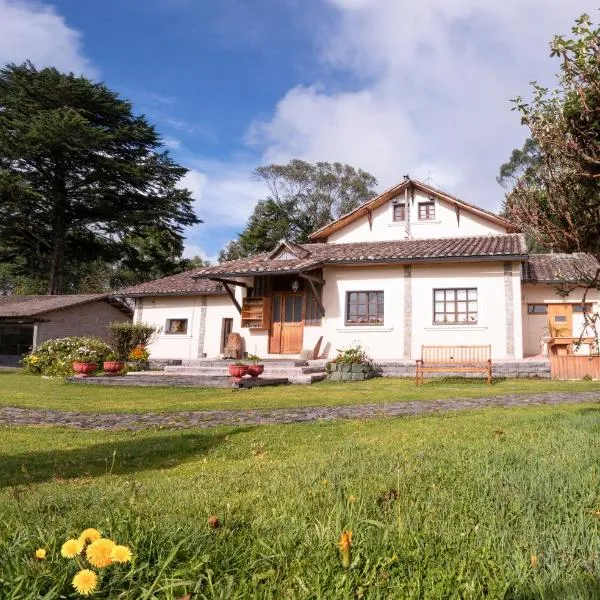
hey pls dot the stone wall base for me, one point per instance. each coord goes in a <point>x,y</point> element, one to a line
<point>500,369</point>
<point>349,372</point>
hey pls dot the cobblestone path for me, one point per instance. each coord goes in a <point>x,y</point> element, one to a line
<point>215,418</point>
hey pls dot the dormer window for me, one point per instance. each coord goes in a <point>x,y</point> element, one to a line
<point>399,212</point>
<point>427,211</point>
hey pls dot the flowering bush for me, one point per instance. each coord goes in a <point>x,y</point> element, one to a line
<point>90,551</point>
<point>126,337</point>
<point>355,354</point>
<point>139,353</point>
<point>56,357</point>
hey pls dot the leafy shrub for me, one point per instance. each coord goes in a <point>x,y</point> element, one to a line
<point>127,336</point>
<point>55,357</point>
<point>352,355</point>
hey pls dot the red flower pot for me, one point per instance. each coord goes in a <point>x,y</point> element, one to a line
<point>255,370</point>
<point>238,371</point>
<point>83,369</point>
<point>112,367</point>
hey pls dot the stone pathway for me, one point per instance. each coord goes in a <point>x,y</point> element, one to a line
<point>215,418</point>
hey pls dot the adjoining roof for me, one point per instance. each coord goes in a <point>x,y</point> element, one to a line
<point>34,306</point>
<point>489,247</point>
<point>559,268</point>
<point>180,284</point>
<point>323,233</point>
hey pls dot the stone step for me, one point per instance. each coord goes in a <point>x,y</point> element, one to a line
<point>307,379</point>
<point>222,370</point>
<point>275,362</point>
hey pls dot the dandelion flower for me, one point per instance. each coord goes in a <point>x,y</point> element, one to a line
<point>71,548</point>
<point>534,561</point>
<point>344,545</point>
<point>98,553</point>
<point>352,499</point>
<point>85,582</point>
<point>90,535</point>
<point>40,553</point>
<point>120,554</point>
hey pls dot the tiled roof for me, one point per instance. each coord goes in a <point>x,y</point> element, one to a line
<point>31,306</point>
<point>557,268</point>
<point>182,283</point>
<point>404,251</point>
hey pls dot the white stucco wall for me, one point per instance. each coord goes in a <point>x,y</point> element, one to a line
<point>535,327</point>
<point>157,310</point>
<point>445,224</point>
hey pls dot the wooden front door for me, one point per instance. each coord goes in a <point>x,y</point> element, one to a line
<point>287,324</point>
<point>560,320</point>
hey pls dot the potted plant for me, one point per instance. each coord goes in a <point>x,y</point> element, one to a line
<point>112,365</point>
<point>255,369</point>
<point>84,363</point>
<point>138,358</point>
<point>238,369</point>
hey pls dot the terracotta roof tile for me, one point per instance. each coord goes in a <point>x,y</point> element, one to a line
<point>557,268</point>
<point>182,283</point>
<point>404,251</point>
<point>31,306</point>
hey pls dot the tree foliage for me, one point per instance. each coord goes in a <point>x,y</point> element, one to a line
<point>83,181</point>
<point>556,196</point>
<point>302,197</point>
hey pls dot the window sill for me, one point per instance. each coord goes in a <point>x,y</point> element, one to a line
<point>425,222</point>
<point>369,328</point>
<point>176,336</point>
<point>456,328</point>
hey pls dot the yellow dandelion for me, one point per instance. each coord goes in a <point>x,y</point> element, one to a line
<point>534,561</point>
<point>325,482</point>
<point>40,553</point>
<point>90,535</point>
<point>352,499</point>
<point>71,548</point>
<point>344,545</point>
<point>120,554</point>
<point>85,582</point>
<point>98,553</point>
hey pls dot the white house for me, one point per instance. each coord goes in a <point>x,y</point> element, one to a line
<point>414,266</point>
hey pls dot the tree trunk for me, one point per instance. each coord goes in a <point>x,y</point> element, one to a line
<point>57,255</point>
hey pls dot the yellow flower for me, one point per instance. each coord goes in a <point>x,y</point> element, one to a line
<point>33,359</point>
<point>90,535</point>
<point>85,582</point>
<point>344,545</point>
<point>120,554</point>
<point>40,553</point>
<point>98,553</point>
<point>534,561</point>
<point>352,499</point>
<point>71,548</point>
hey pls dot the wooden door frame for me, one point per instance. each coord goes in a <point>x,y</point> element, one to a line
<point>568,311</point>
<point>283,295</point>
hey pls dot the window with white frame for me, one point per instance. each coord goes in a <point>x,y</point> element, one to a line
<point>364,308</point>
<point>176,326</point>
<point>455,306</point>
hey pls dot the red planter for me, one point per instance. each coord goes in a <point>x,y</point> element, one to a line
<point>238,371</point>
<point>112,367</point>
<point>255,370</point>
<point>83,369</point>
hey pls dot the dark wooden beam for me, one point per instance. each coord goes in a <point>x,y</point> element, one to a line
<point>232,296</point>
<point>317,299</point>
<point>312,278</point>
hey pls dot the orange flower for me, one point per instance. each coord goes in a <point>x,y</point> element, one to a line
<point>345,545</point>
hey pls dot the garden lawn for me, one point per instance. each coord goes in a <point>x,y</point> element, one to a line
<point>498,503</point>
<point>31,391</point>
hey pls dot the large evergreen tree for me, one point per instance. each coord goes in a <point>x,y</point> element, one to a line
<point>302,197</point>
<point>83,182</point>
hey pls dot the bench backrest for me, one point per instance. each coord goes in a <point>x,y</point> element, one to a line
<point>456,354</point>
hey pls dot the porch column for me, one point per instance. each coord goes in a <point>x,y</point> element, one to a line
<point>509,310</point>
<point>407,311</point>
<point>202,326</point>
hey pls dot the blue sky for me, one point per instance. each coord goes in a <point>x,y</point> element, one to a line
<point>392,86</point>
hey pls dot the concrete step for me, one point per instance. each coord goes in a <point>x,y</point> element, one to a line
<point>307,379</point>
<point>272,362</point>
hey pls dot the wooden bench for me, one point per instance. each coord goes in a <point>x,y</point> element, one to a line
<point>455,359</point>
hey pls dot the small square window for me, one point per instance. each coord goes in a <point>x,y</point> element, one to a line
<point>427,211</point>
<point>400,212</point>
<point>451,306</point>
<point>176,326</point>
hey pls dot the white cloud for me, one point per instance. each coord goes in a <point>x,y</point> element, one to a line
<point>171,143</point>
<point>36,32</point>
<point>193,250</point>
<point>432,84</point>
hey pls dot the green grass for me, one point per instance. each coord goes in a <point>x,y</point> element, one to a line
<point>30,391</point>
<point>479,493</point>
